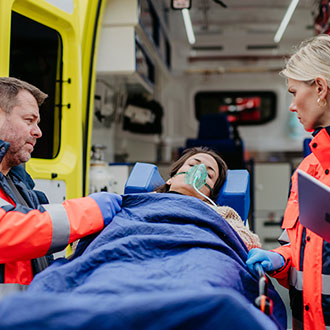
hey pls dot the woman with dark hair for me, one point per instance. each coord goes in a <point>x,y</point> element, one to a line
<point>216,169</point>
<point>216,176</point>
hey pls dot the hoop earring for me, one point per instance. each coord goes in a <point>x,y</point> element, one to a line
<point>321,102</point>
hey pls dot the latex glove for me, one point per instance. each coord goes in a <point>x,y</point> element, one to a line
<point>109,204</point>
<point>269,260</point>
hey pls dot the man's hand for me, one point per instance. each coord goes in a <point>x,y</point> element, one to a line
<point>269,260</point>
<point>109,204</point>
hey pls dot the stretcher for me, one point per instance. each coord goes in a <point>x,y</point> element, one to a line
<point>166,261</point>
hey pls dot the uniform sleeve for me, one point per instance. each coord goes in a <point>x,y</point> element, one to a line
<point>26,234</point>
<point>282,274</point>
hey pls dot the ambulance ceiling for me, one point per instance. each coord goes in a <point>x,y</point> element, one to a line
<point>244,27</point>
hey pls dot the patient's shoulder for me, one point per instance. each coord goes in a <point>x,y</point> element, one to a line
<point>228,213</point>
<point>250,239</point>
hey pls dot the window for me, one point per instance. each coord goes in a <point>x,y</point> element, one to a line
<point>36,57</point>
<point>242,108</point>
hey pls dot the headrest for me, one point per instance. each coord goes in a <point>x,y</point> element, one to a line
<point>235,192</point>
<point>144,177</point>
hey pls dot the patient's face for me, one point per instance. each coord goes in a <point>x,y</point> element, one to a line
<point>177,182</point>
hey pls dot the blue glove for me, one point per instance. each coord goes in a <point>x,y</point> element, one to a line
<point>109,204</point>
<point>269,260</point>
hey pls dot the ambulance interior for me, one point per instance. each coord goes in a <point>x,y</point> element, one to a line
<point>154,85</point>
<point>163,85</point>
<point>156,92</point>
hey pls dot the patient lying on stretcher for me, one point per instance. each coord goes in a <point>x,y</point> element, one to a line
<point>181,182</point>
<point>166,261</point>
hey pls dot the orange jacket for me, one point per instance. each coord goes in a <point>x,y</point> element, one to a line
<point>26,234</point>
<point>307,268</point>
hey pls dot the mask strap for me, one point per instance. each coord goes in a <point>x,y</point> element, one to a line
<point>208,198</point>
<point>208,187</point>
<point>179,173</point>
<point>194,185</point>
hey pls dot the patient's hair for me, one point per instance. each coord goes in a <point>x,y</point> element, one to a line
<point>193,151</point>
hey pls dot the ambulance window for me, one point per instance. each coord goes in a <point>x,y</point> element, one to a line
<point>242,108</point>
<point>36,57</point>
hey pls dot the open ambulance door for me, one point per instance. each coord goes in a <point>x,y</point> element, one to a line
<point>91,13</point>
<point>41,44</point>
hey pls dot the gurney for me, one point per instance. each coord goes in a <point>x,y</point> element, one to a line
<point>166,261</point>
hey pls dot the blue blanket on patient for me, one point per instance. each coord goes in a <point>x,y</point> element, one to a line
<point>166,261</point>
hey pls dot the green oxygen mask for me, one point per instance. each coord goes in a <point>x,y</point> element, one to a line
<point>196,176</point>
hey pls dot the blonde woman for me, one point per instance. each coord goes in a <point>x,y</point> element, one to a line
<point>303,263</point>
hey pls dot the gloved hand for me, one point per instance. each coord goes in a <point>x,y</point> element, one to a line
<point>109,204</point>
<point>269,260</point>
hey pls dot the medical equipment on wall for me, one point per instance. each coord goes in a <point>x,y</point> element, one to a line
<point>100,179</point>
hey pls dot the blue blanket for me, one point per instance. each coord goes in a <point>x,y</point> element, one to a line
<point>166,261</point>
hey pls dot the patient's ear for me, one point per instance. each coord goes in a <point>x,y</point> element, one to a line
<point>169,181</point>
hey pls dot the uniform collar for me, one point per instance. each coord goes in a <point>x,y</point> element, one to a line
<point>320,146</point>
<point>318,129</point>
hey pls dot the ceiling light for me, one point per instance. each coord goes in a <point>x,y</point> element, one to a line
<point>285,20</point>
<point>188,26</point>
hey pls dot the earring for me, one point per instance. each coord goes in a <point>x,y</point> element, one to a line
<point>321,102</point>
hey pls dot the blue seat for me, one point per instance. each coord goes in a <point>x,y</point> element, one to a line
<point>217,133</point>
<point>235,192</point>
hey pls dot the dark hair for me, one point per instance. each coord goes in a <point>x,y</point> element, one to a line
<point>10,87</point>
<point>193,151</point>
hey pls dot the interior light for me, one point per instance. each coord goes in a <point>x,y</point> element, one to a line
<point>180,4</point>
<point>285,20</point>
<point>188,26</point>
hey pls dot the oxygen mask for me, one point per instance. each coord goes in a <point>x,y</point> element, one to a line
<point>196,176</point>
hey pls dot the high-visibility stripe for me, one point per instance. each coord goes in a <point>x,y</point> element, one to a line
<point>284,238</point>
<point>296,278</point>
<point>326,284</point>
<point>7,288</point>
<point>4,202</point>
<point>61,227</point>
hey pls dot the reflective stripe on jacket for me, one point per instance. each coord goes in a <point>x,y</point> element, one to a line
<point>307,257</point>
<point>26,234</point>
<point>7,288</point>
<point>22,271</point>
